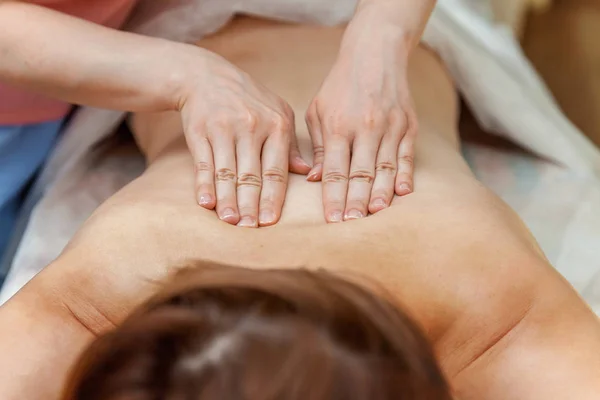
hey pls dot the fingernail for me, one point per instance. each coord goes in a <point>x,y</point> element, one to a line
<point>266,217</point>
<point>353,214</point>
<point>335,216</point>
<point>379,203</point>
<point>404,187</point>
<point>247,222</point>
<point>205,199</point>
<point>228,213</point>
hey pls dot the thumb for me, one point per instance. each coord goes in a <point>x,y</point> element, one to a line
<point>314,128</point>
<point>297,163</point>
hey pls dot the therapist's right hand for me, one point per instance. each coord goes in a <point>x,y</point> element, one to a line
<point>242,139</point>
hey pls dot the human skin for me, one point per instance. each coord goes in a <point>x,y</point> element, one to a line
<point>503,323</point>
<point>362,121</point>
<point>83,63</point>
<point>236,129</point>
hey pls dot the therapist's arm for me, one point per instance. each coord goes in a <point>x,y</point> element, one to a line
<point>84,63</point>
<point>224,111</point>
<point>362,121</point>
<point>408,17</point>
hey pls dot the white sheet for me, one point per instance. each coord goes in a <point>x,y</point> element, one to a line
<point>561,204</point>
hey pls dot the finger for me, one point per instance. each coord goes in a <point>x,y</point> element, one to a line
<point>275,163</point>
<point>225,178</point>
<point>336,165</point>
<point>362,175</point>
<point>406,155</point>
<point>297,163</point>
<point>316,134</point>
<point>386,168</point>
<point>205,171</point>
<point>249,181</point>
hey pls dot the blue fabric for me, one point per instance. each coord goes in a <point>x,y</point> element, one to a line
<point>23,150</point>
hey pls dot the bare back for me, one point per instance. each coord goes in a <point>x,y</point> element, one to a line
<point>419,231</point>
<point>454,255</point>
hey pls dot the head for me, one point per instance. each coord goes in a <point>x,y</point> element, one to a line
<point>239,334</point>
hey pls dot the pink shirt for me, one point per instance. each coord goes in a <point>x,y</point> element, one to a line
<point>19,107</point>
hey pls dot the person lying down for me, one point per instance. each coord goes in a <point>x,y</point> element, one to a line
<point>445,293</point>
<point>220,332</point>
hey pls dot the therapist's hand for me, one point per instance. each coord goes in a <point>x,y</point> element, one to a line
<point>243,143</point>
<point>363,126</point>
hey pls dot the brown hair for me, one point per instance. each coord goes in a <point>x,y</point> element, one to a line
<point>240,334</point>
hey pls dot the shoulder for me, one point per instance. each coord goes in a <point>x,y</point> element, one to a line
<point>111,265</point>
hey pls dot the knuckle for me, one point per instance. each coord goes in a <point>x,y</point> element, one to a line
<point>225,175</point>
<point>362,175</point>
<point>316,106</point>
<point>249,180</point>
<point>287,110</point>
<point>251,121</point>
<point>373,119</point>
<point>220,120</point>
<point>339,125</point>
<point>335,124</point>
<point>386,167</point>
<point>407,160</point>
<point>281,123</point>
<point>202,166</point>
<point>334,177</point>
<point>318,152</point>
<point>413,125</point>
<point>274,174</point>
<point>397,117</point>
<point>310,118</point>
<point>198,128</point>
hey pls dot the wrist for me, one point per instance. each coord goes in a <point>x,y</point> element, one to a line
<point>378,43</point>
<point>370,31</point>
<point>185,63</point>
<point>399,22</point>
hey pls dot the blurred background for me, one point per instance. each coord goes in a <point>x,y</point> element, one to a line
<point>562,39</point>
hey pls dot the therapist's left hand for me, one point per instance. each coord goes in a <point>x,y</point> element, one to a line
<point>363,126</point>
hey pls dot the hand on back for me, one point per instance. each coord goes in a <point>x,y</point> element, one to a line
<point>243,143</point>
<point>242,139</point>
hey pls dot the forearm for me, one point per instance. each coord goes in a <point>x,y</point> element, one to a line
<point>39,341</point>
<point>84,63</point>
<point>397,23</point>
